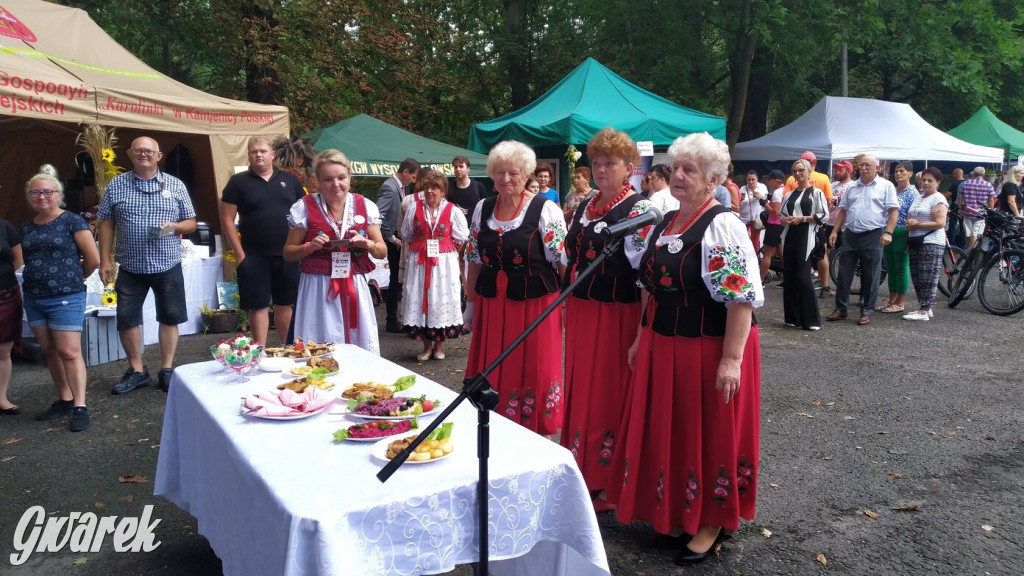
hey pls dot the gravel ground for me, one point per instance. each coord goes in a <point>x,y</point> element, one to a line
<point>894,448</point>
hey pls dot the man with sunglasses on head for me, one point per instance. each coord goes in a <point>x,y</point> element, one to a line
<point>146,211</point>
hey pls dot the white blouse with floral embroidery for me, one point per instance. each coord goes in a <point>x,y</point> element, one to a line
<point>551,225</point>
<point>726,248</point>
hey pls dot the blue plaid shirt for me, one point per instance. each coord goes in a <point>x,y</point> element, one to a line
<point>134,206</point>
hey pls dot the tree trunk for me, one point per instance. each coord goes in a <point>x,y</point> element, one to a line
<point>516,50</point>
<point>743,56</point>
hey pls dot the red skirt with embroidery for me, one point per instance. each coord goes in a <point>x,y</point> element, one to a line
<point>529,381</point>
<point>597,338</point>
<point>688,459</point>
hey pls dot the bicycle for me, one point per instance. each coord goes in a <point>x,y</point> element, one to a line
<point>1002,233</point>
<point>833,268</point>
<point>952,260</point>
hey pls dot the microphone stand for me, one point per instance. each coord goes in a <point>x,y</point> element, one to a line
<point>484,397</point>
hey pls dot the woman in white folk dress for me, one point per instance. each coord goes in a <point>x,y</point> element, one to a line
<point>431,301</point>
<point>332,234</point>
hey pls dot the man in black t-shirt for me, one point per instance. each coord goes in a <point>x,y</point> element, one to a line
<point>261,198</point>
<point>463,192</point>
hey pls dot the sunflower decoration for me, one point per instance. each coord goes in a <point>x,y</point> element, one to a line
<point>99,142</point>
<point>109,296</point>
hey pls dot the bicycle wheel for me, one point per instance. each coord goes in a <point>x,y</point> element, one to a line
<point>952,259</point>
<point>964,280</point>
<point>1001,284</point>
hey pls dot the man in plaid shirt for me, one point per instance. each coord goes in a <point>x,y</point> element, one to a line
<point>147,211</point>
<point>975,195</point>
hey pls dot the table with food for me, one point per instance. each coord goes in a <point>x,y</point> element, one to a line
<point>279,472</point>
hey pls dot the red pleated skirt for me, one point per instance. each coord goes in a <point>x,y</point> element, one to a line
<point>688,459</point>
<point>597,375</point>
<point>529,381</point>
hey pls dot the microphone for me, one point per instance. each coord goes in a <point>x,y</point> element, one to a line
<point>630,225</point>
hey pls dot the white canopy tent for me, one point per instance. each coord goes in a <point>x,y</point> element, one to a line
<point>840,128</point>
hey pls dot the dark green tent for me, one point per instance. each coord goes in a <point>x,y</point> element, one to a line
<point>985,129</point>
<point>588,99</point>
<point>376,148</point>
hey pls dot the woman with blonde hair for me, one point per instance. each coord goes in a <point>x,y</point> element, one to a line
<point>601,314</point>
<point>515,241</point>
<point>803,211</point>
<point>60,253</point>
<point>332,233</point>
<point>688,457</point>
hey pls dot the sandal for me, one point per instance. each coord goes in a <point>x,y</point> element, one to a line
<point>892,309</point>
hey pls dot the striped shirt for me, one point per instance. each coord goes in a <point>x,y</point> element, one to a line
<point>135,206</point>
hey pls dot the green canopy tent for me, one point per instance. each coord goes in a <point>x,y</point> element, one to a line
<point>985,129</point>
<point>376,148</point>
<point>585,101</point>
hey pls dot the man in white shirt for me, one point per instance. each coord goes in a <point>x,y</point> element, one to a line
<point>869,210</point>
<point>843,172</point>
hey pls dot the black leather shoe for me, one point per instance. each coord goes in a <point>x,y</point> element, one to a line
<point>394,327</point>
<point>687,556</point>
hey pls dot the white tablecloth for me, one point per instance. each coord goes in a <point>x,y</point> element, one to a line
<point>283,498</point>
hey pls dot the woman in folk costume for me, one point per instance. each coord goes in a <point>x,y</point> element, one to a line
<point>516,240</point>
<point>601,315</point>
<point>332,233</point>
<point>431,302</point>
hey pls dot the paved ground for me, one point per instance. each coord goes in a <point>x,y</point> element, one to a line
<point>920,424</point>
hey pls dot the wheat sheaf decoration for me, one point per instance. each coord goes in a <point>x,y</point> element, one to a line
<point>99,143</point>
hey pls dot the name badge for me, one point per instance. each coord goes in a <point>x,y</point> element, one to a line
<point>433,248</point>
<point>166,193</point>
<point>675,246</point>
<point>341,264</point>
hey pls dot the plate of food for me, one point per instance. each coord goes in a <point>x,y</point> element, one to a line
<point>374,430</point>
<point>326,362</point>
<point>370,390</point>
<point>301,350</point>
<point>394,408</point>
<point>315,379</point>
<point>286,405</point>
<point>437,446</point>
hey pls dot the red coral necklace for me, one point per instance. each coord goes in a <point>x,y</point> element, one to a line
<point>522,198</point>
<point>672,224</point>
<point>598,213</point>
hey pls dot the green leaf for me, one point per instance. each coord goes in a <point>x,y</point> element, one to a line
<point>80,561</point>
<point>341,435</point>
<point>405,382</point>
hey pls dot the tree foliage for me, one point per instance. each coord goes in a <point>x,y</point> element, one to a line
<point>438,67</point>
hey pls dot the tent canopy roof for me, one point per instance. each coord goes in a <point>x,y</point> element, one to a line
<point>57,64</point>
<point>837,128</point>
<point>985,129</point>
<point>585,101</point>
<point>376,148</point>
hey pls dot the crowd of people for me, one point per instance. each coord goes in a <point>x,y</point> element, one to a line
<point>657,394</point>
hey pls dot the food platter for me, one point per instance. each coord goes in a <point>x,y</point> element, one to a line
<point>346,411</point>
<point>380,452</point>
<point>275,364</point>
<point>392,434</point>
<point>301,350</point>
<point>296,416</point>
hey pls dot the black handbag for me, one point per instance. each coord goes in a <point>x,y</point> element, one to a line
<point>916,242</point>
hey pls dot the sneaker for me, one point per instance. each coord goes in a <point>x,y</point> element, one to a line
<point>917,316</point>
<point>930,313</point>
<point>58,409</point>
<point>131,380</point>
<point>163,379</point>
<point>79,419</point>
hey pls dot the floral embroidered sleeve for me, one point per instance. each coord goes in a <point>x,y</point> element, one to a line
<point>552,226</point>
<point>729,265</point>
<point>636,242</point>
<point>472,247</point>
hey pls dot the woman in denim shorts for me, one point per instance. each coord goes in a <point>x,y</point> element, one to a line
<point>59,252</point>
